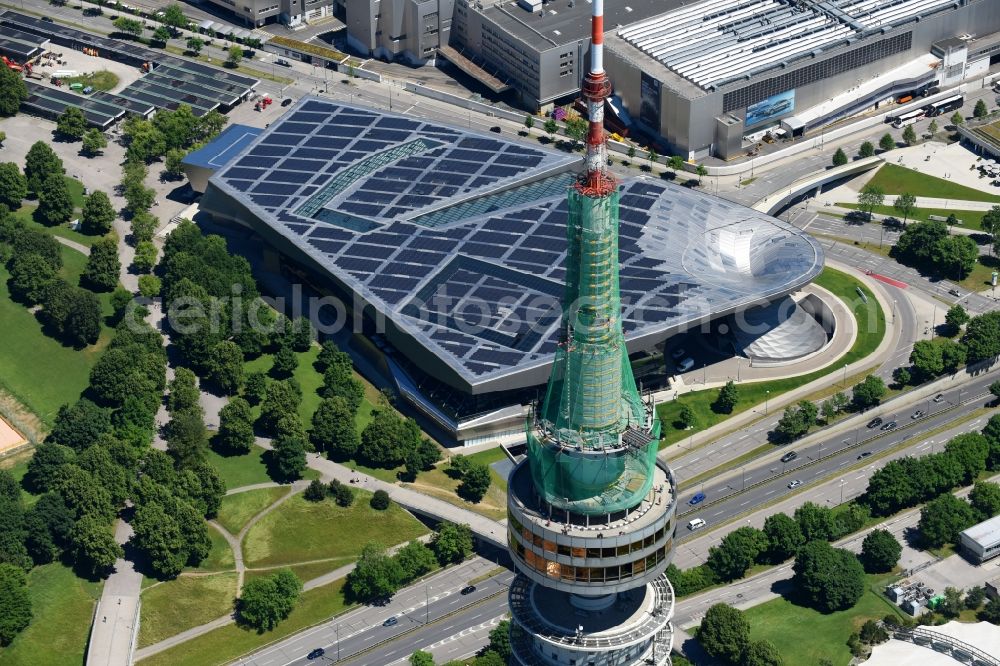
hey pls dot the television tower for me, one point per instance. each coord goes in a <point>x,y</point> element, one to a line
<point>591,510</point>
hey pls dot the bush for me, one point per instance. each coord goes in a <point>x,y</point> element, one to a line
<point>315,491</point>
<point>380,500</point>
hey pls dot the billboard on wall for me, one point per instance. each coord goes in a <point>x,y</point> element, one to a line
<point>649,109</point>
<point>775,105</point>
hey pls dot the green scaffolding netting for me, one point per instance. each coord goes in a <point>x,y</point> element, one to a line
<point>578,459</point>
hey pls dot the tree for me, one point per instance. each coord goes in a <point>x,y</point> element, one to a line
<point>149,286</point>
<point>956,317</point>
<point>225,367</point>
<point>982,336</point>
<point>868,393</point>
<point>72,124</point>
<point>475,483</point>
<point>97,214</point>
<point>451,543</point>
<point>576,129</point>
<point>980,111</point>
<point>380,500</point>
<point>421,658</point>
<point>839,158</point>
<point>415,559</point>
<point>529,122</point>
<point>55,206</point>
<point>631,152</point>
<point>974,597</point>
<point>870,197</point>
<point>143,226</point>
<point>315,491</point>
<point>905,204</point>
<point>872,634</point>
<point>955,255</point>
<point>652,156</point>
<point>990,612</point>
<point>266,601</point>
<point>94,546</point>
<point>943,518</point>
<point>289,455</point>
<point>784,537</point>
<point>40,162</point>
<point>285,362</point>
<point>902,376</point>
<point>280,399</point>
<point>762,653</point>
<point>685,417</point>
<point>73,314</point>
<point>701,170</point>
<point>729,395</point>
<point>796,421</point>
<point>333,429</point>
<point>161,35</point>
<point>880,551</point>
<point>235,55</point>
<point>173,16</point>
<point>129,27</point>
<point>236,427</point>
<point>951,604</point>
<point>737,552</point>
<point>144,139</point>
<point>49,458</point>
<point>145,257</point>
<point>724,633</point>
<point>932,128</point>
<point>909,135</point>
<point>551,127</point>
<point>103,267</point>
<point>13,91</point>
<point>187,437</point>
<point>991,221</point>
<point>15,602</point>
<point>815,522</point>
<point>867,149</point>
<point>343,495</point>
<point>184,391</point>
<point>13,185</point>
<point>886,142</point>
<point>375,576</point>
<point>172,162</point>
<point>969,451</point>
<point>957,119</point>
<point>94,142</point>
<point>985,499</point>
<point>388,439</point>
<point>30,277</point>
<point>828,578</point>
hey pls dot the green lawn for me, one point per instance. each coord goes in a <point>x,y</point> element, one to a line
<point>895,179</point>
<point>220,558</point>
<point>871,329</point>
<point>228,643</point>
<point>305,572</point>
<point>828,633</point>
<point>237,510</point>
<point>177,605</point>
<point>63,606</point>
<point>971,219</point>
<point>436,482</point>
<point>246,470</point>
<point>26,215</point>
<point>299,531</point>
<point>99,80</point>
<point>981,276</point>
<point>39,371</point>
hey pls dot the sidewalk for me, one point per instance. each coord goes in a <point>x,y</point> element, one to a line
<point>116,620</point>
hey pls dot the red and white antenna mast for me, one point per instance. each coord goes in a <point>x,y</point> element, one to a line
<point>596,89</point>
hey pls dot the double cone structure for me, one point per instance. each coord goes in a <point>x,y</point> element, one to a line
<point>591,511</point>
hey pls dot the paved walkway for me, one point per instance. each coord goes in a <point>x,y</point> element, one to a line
<point>79,247</point>
<point>116,620</point>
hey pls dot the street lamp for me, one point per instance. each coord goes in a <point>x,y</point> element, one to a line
<point>842,484</point>
<point>766,393</point>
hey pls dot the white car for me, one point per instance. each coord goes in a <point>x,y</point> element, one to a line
<point>685,364</point>
<point>696,524</point>
<point>794,484</point>
<point>678,353</point>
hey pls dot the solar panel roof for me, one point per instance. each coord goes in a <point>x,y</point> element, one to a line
<point>469,264</point>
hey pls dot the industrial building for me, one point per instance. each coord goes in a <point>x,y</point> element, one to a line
<point>256,13</point>
<point>453,245</point>
<point>981,542</point>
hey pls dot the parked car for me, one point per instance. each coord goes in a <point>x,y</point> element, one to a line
<point>696,524</point>
<point>864,455</point>
<point>794,484</point>
<point>47,19</point>
<point>891,425</point>
<point>391,622</point>
<point>790,456</point>
<point>875,422</point>
<point>496,129</point>
<point>678,353</point>
<point>468,589</point>
<point>287,101</point>
<point>939,397</point>
<point>698,498</point>
<point>685,364</point>
<point>282,62</point>
<point>316,654</point>
<point>917,414</point>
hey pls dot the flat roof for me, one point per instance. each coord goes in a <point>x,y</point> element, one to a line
<point>459,237</point>
<point>98,112</point>
<point>985,533</point>
<point>715,42</point>
<point>565,21</point>
<point>222,149</point>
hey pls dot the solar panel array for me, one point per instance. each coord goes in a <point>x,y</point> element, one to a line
<point>460,238</point>
<point>100,111</point>
<point>717,41</point>
<point>22,45</point>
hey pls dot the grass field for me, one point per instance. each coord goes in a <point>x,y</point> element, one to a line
<point>827,633</point>
<point>220,558</point>
<point>300,531</point>
<point>177,605</point>
<point>237,510</point>
<point>246,470</point>
<point>39,371</point>
<point>971,219</point>
<point>305,572</point>
<point>895,179</point>
<point>99,80</point>
<point>227,643</point>
<point>436,482</point>
<point>63,606</point>
<point>26,215</point>
<point>871,329</point>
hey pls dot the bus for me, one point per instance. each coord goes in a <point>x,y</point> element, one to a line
<point>908,118</point>
<point>945,105</point>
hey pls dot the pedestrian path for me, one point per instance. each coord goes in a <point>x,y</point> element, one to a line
<point>116,620</point>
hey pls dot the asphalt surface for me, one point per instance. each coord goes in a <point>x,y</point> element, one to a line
<point>768,480</point>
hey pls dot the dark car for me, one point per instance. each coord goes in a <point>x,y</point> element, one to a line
<point>697,499</point>
<point>891,425</point>
<point>954,292</point>
<point>864,455</point>
<point>875,422</point>
<point>286,102</point>
<point>47,19</point>
<point>496,129</point>
<point>468,589</point>
<point>316,654</point>
<point>790,456</point>
<point>391,622</point>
